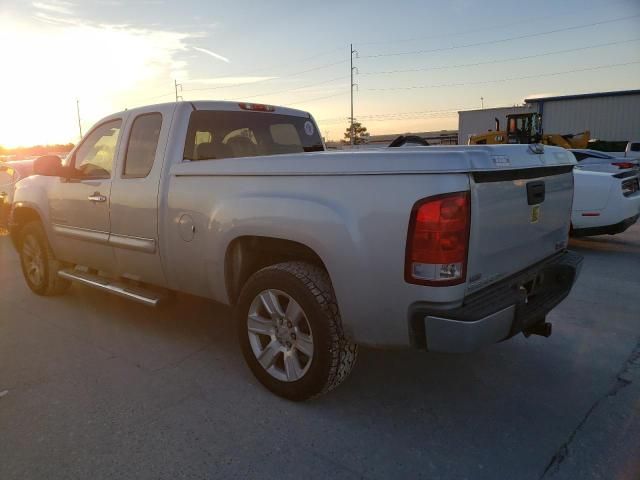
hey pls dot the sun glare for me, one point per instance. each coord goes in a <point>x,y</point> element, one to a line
<point>54,62</point>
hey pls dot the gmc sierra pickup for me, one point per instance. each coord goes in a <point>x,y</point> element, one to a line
<point>444,249</point>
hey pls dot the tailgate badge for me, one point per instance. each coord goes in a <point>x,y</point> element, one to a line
<point>501,160</point>
<point>535,214</point>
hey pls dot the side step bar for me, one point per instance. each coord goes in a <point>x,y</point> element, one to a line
<point>117,288</point>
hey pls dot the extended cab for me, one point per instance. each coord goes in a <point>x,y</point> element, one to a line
<point>444,249</point>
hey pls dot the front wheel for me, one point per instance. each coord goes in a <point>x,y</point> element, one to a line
<point>290,331</point>
<point>39,265</point>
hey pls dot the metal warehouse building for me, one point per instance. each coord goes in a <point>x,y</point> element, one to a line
<point>610,116</point>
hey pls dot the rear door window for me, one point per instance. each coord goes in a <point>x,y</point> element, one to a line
<point>230,134</point>
<point>142,146</point>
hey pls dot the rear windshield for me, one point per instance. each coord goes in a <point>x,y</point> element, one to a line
<point>220,134</point>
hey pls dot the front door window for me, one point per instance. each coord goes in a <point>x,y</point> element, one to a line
<point>94,158</point>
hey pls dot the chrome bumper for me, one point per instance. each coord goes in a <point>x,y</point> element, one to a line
<point>499,311</point>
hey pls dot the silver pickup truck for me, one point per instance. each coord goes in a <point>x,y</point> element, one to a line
<point>443,249</point>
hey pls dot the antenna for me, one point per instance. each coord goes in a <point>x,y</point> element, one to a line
<point>78,112</point>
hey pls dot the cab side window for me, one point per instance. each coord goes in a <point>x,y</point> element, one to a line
<point>142,146</point>
<point>94,157</point>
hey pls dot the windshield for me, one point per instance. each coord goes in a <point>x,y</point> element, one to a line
<point>225,134</point>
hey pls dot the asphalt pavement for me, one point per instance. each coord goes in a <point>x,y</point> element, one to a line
<point>94,387</point>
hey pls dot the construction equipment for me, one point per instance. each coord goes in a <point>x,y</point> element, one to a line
<point>527,128</point>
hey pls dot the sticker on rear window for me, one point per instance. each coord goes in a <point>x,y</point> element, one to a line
<point>308,128</point>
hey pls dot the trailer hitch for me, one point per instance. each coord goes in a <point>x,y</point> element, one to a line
<point>543,329</point>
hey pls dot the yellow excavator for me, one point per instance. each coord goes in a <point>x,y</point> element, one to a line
<point>527,128</point>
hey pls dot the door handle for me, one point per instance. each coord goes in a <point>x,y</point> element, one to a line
<point>97,197</point>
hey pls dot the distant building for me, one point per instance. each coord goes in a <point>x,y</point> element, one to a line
<point>609,116</point>
<point>442,137</point>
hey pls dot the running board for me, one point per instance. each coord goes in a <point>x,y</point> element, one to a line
<point>117,288</point>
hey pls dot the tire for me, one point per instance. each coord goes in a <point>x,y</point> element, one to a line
<point>313,343</point>
<point>39,265</point>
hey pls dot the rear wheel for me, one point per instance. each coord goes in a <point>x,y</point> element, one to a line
<point>39,265</point>
<point>290,331</point>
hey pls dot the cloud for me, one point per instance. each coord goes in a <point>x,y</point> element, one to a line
<point>540,95</point>
<point>54,20</point>
<point>59,58</point>
<point>55,6</point>
<point>213,54</point>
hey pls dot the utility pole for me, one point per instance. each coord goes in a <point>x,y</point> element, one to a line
<point>78,111</point>
<point>351,131</point>
<point>482,102</point>
<point>176,85</point>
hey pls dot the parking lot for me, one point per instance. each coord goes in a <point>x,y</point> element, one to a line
<point>93,386</point>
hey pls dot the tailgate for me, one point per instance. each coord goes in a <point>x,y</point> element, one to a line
<point>519,216</point>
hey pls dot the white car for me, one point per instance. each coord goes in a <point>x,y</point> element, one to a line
<point>10,173</point>
<point>604,203</point>
<point>603,161</point>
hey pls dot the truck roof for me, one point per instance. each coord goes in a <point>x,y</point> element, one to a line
<point>224,105</point>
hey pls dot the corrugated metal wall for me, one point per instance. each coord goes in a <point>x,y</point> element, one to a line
<point>615,118</point>
<point>472,122</point>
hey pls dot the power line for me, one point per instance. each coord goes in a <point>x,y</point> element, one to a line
<point>352,52</point>
<point>502,40</point>
<point>400,115</point>
<point>78,112</point>
<point>282,65</point>
<point>415,117</point>
<point>391,119</point>
<point>241,84</point>
<point>485,28</point>
<point>505,60</point>
<point>326,52</point>
<point>414,87</point>
<point>318,98</point>
<point>156,96</point>
<point>293,89</point>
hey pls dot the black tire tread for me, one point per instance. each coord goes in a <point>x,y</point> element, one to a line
<point>343,352</point>
<point>54,285</point>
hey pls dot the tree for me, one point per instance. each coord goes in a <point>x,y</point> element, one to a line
<point>36,150</point>
<point>360,134</point>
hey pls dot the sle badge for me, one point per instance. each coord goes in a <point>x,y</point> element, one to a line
<point>535,213</point>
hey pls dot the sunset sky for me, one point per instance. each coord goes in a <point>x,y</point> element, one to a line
<point>419,61</point>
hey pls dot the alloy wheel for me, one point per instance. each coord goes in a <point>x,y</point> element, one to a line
<point>280,335</point>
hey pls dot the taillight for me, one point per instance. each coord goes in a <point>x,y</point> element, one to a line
<point>438,240</point>
<point>623,164</point>
<point>256,107</point>
<point>630,186</point>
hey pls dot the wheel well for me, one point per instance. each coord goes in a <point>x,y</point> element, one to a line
<point>246,255</point>
<point>20,217</point>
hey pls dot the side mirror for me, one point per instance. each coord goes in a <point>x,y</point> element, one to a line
<point>49,166</point>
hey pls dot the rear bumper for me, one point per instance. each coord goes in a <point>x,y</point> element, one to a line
<point>499,311</point>
<point>606,229</point>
